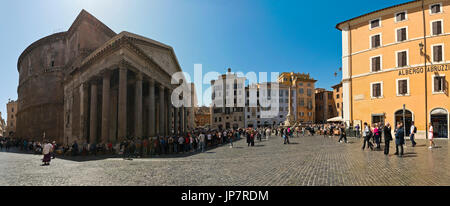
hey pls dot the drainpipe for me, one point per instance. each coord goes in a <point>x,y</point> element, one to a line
<point>425,68</point>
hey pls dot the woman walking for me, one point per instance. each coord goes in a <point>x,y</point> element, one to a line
<point>431,136</point>
<point>48,148</point>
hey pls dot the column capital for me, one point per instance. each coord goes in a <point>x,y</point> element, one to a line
<point>105,72</point>
<point>122,68</point>
<point>139,76</point>
<point>94,81</point>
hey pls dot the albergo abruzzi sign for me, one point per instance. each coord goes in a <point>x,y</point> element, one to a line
<point>421,70</point>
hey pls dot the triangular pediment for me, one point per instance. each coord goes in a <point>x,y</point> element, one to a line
<point>85,16</point>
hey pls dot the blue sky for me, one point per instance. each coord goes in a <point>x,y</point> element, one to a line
<point>246,35</point>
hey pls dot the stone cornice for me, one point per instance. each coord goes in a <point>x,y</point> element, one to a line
<point>112,46</point>
<point>43,41</point>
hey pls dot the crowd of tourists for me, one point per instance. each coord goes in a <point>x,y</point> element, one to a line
<point>374,135</point>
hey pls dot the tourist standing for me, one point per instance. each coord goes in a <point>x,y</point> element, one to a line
<point>431,136</point>
<point>399,139</point>
<point>377,135</point>
<point>202,142</point>
<point>412,134</point>
<point>387,138</point>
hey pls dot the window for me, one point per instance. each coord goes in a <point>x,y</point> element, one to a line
<point>402,58</point>
<point>377,90</point>
<point>375,40</point>
<point>330,95</point>
<point>401,16</point>
<point>402,34</point>
<point>301,91</point>
<point>337,105</point>
<point>309,91</point>
<point>53,63</point>
<point>438,53</point>
<point>439,84</point>
<point>310,114</point>
<point>302,102</point>
<point>435,8</point>
<point>436,28</point>
<point>302,114</point>
<point>375,64</point>
<point>337,96</point>
<point>402,87</point>
<point>300,84</point>
<point>375,23</point>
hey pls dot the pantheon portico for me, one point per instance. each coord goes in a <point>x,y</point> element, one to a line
<point>101,86</point>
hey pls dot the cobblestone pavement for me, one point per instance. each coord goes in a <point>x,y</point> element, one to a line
<point>311,161</point>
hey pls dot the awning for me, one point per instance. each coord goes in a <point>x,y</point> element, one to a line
<point>335,119</point>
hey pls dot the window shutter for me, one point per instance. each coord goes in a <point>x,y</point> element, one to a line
<point>399,35</point>
<point>403,34</point>
<point>436,84</point>
<point>403,55</point>
<point>374,90</point>
<point>373,42</point>
<point>439,27</point>
<point>437,53</point>
<point>377,40</point>
<point>399,59</point>
<point>404,86</point>
<point>434,28</point>
<point>374,64</point>
<point>378,90</point>
<point>378,60</point>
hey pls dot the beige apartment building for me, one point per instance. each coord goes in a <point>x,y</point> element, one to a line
<point>227,108</point>
<point>11,118</point>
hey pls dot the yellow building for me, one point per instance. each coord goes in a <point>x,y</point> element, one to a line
<point>304,86</point>
<point>394,57</point>
<point>338,96</point>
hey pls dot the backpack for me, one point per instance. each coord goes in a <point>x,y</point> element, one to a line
<point>415,129</point>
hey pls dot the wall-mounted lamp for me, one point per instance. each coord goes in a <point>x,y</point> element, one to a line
<point>421,48</point>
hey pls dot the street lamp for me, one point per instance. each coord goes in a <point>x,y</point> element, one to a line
<point>421,48</point>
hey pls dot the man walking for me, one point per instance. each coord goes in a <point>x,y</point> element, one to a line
<point>367,135</point>
<point>387,138</point>
<point>413,133</point>
<point>342,133</point>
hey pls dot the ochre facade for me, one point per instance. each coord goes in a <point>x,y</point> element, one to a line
<point>407,66</point>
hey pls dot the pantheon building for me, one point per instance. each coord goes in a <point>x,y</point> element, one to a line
<point>91,84</point>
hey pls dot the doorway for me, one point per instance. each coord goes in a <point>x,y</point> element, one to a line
<point>408,120</point>
<point>439,120</point>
